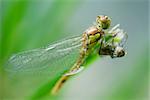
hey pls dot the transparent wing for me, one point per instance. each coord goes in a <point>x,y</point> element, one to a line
<point>124,39</point>
<point>57,57</point>
<point>37,70</point>
<point>122,36</point>
<point>119,35</point>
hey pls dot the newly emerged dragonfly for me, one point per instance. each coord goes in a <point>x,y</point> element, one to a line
<point>68,56</point>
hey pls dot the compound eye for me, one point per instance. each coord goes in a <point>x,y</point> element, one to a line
<point>106,17</point>
<point>98,19</point>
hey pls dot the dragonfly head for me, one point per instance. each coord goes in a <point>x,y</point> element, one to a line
<point>103,21</point>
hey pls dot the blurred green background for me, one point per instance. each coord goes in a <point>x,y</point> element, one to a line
<point>28,24</point>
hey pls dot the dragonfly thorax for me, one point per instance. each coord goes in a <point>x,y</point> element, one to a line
<point>94,34</point>
<point>92,30</point>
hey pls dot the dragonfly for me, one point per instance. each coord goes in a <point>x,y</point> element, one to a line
<point>71,53</point>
